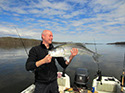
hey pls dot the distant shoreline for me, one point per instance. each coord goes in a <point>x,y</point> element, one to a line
<point>13,42</point>
<point>117,43</point>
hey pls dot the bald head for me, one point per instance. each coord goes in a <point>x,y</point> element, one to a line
<point>45,32</point>
<point>47,36</point>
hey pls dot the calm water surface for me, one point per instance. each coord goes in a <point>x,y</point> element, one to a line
<point>14,78</point>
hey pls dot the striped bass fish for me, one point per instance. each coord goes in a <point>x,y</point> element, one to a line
<point>64,51</point>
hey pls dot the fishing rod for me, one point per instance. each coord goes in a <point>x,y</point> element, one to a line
<point>96,52</point>
<point>99,74</point>
<point>23,45</point>
<point>21,41</point>
<point>123,74</point>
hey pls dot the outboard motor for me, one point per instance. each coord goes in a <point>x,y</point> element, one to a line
<point>81,78</point>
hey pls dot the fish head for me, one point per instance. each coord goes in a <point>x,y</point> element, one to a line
<point>56,52</point>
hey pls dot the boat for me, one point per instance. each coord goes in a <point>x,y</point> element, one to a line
<point>101,84</point>
<point>107,85</point>
<point>81,78</point>
<point>30,89</point>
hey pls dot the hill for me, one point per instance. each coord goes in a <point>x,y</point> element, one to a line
<point>12,42</point>
<point>118,43</point>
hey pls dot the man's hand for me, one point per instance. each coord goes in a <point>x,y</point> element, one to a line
<point>47,58</point>
<point>74,52</point>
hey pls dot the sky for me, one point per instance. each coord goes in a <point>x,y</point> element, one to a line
<point>101,21</point>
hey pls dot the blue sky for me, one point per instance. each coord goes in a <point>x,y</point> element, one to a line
<point>69,20</point>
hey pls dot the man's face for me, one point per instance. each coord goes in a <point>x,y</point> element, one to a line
<point>48,37</point>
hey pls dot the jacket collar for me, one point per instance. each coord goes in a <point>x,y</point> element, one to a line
<point>43,46</point>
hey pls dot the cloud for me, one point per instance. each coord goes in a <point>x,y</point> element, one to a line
<point>76,20</point>
<point>81,2</point>
<point>52,5</point>
<point>12,6</point>
<point>74,13</point>
<point>9,30</point>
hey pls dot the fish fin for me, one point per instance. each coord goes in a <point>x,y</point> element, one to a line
<point>67,58</point>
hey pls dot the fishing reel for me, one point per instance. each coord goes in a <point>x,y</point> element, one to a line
<point>99,74</point>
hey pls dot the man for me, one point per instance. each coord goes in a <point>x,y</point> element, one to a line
<point>44,66</point>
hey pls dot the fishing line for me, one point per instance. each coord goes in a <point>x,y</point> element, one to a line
<point>21,41</point>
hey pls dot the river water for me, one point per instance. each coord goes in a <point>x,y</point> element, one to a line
<point>14,78</point>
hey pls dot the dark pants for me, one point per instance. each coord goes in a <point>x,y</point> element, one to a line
<point>46,88</point>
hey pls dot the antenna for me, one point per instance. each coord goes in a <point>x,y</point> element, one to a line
<point>21,41</point>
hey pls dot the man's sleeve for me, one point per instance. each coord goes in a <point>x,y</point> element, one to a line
<point>61,61</point>
<point>31,61</point>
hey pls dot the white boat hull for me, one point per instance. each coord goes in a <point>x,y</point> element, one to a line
<point>107,85</point>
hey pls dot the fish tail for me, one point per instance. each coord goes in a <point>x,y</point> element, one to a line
<point>96,57</point>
